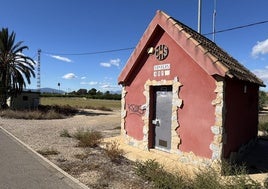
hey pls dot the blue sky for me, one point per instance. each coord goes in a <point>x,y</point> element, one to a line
<point>65,29</point>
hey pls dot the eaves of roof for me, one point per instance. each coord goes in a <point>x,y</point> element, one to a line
<point>220,63</point>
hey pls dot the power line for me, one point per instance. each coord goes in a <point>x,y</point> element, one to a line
<point>89,53</point>
<point>130,48</point>
<point>238,27</point>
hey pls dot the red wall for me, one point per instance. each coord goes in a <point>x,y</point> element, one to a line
<point>197,114</point>
<point>241,122</point>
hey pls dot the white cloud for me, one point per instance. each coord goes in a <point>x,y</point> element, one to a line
<point>260,48</point>
<point>262,74</point>
<point>109,87</point>
<point>83,78</point>
<point>115,62</point>
<point>104,64</point>
<point>61,58</point>
<point>112,62</point>
<point>69,76</point>
<point>89,83</point>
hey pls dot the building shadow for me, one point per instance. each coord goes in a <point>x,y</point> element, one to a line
<point>91,113</point>
<point>256,160</point>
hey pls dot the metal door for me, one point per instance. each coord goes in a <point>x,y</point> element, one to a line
<point>162,118</point>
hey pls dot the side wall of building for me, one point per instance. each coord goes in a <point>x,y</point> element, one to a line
<point>26,100</point>
<point>241,115</point>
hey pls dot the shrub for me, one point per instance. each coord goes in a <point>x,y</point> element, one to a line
<point>114,152</point>
<point>152,171</point>
<point>208,178</point>
<point>266,183</point>
<point>88,138</point>
<point>65,133</point>
<point>81,156</point>
<point>43,112</point>
<point>262,99</point>
<point>263,126</point>
<point>48,151</point>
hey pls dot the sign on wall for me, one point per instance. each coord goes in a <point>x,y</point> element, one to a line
<point>161,53</point>
<point>161,70</point>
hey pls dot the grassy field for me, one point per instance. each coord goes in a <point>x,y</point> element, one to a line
<point>82,102</point>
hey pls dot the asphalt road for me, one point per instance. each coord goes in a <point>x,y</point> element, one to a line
<point>20,168</point>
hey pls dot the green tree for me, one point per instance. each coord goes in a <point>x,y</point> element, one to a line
<point>92,91</point>
<point>15,67</point>
<point>262,99</point>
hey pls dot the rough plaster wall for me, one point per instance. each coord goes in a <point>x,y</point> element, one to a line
<point>186,158</point>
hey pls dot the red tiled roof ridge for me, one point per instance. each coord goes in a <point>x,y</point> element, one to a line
<point>235,69</point>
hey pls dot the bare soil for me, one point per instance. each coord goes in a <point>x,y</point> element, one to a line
<point>89,165</point>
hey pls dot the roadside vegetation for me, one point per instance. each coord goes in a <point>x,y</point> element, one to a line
<point>48,152</point>
<point>88,138</point>
<point>93,139</point>
<point>43,112</point>
<point>154,173</point>
<point>263,117</point>
<point>210,178</point>
<point>84,93</point>
<point>61,108</point>
<point>82,103</point>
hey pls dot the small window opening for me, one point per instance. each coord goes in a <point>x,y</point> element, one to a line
<point>245,89</point>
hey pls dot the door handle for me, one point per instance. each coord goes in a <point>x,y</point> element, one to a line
<point>156,122</point>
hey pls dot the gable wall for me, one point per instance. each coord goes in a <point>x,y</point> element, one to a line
<point>241,124</point>
<point>196,116</point>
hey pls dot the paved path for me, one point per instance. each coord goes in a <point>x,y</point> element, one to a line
<point>21,168</point>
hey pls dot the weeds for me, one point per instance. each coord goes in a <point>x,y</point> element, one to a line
<point>48,151</point>
<point>113,151</point>
<point>263,122</point>
<point>88,138</point>
<point>266,183</point>
<point>65,133</point>
<point>209,178</point>
<point>43,112</point>
<point>81,156</point>
<point>152,171</point>
<point>263,126</point>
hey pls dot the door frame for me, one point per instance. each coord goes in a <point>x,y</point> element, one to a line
<point>152,127</point>
<point>149,132</point>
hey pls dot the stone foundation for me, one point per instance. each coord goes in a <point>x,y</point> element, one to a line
<point>217,129</point>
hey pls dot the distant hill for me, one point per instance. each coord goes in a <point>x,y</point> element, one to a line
<point>115,92</point>
<point>57,91</point>
<point>49,90</point>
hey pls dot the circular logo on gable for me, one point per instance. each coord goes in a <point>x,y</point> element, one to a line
<point>161,52</point>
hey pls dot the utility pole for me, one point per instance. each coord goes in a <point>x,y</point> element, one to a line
<point>199,15</point>
<point>214,22</point>
<point>38,70</point>
<point>59,87</point>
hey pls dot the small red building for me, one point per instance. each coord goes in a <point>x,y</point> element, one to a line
<point>183,94</point>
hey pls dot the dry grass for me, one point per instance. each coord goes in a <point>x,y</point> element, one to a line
<point>114,152</point>
<point>83,103</point>
<point>263,122</point>
<point>43,112</point>
<point>209,178</point>
<point>88,138</point>
<point>48,151</point>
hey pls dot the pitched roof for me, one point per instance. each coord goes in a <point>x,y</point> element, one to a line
<point>225,64</point>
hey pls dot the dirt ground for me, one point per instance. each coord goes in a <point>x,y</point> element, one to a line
<point>91,166</point>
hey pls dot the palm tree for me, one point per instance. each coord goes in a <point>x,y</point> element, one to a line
<point>15,67</point>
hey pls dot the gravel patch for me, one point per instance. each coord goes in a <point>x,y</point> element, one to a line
<point>89,165</point>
